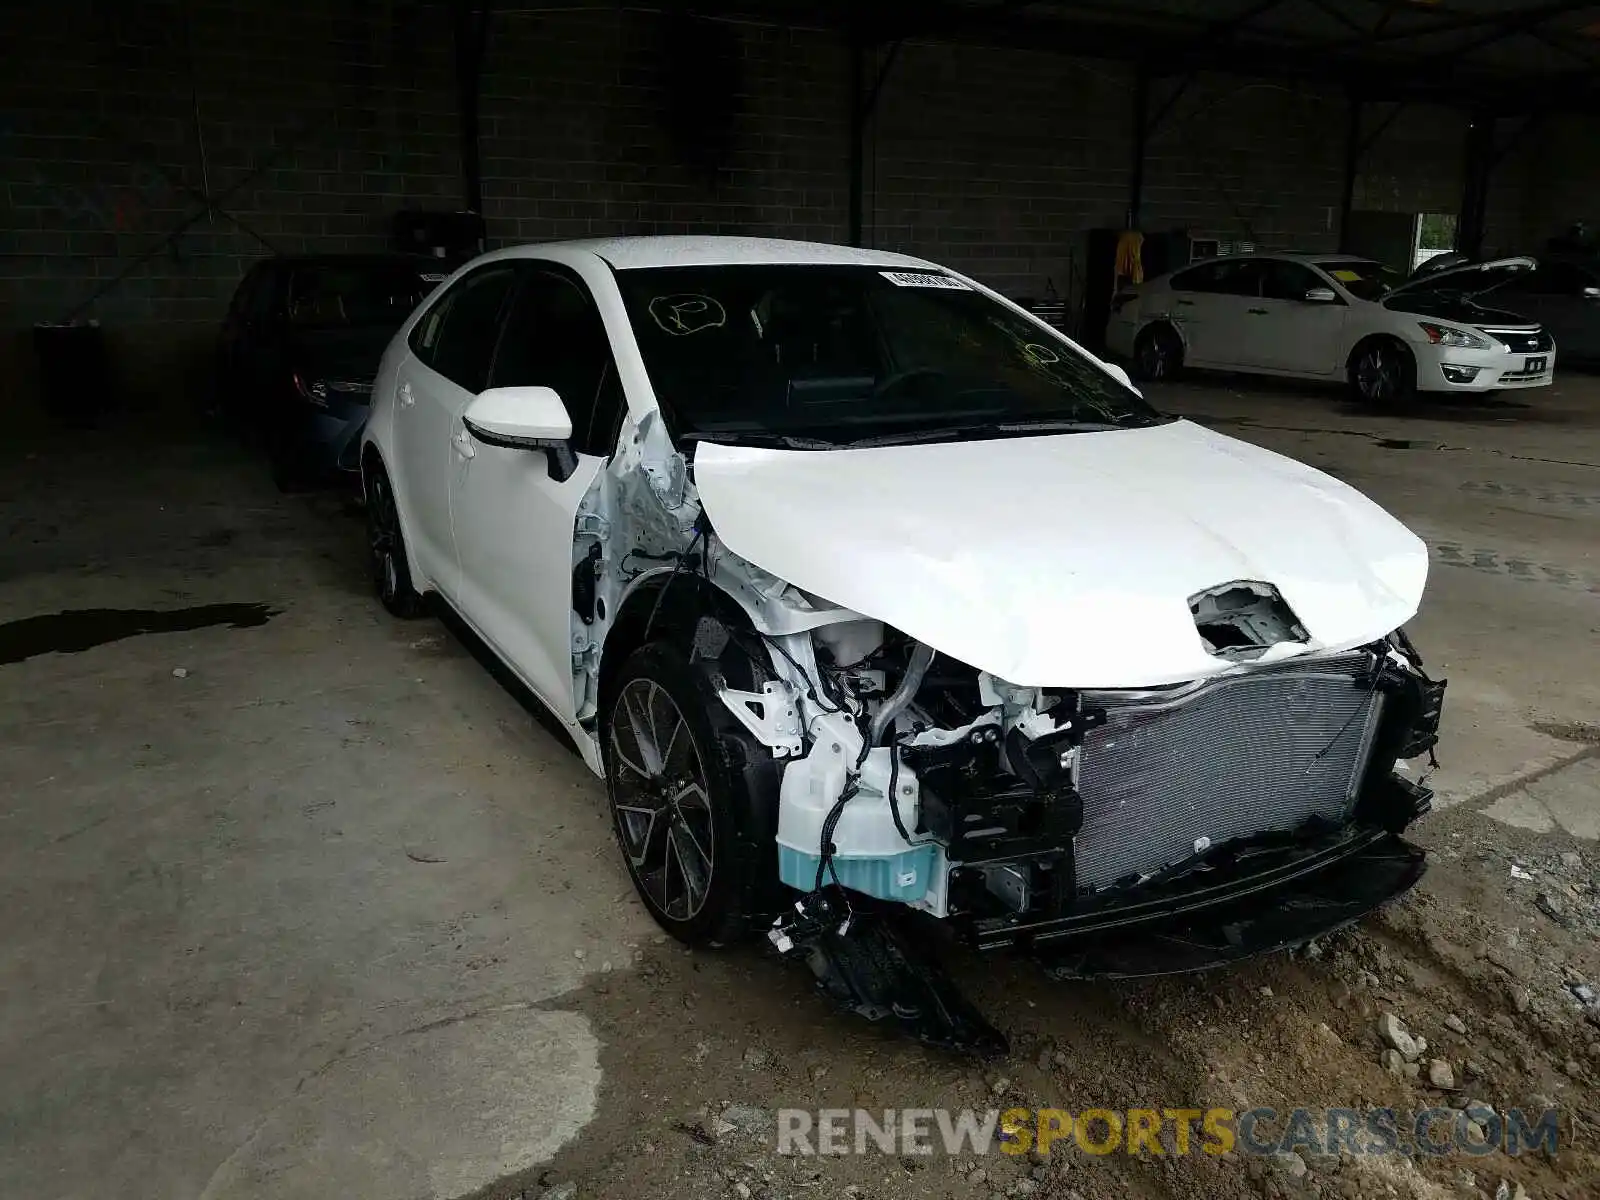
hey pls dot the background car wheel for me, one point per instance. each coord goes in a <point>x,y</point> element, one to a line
<point>1383,373</point>
<point>1157,353</point>
<point>684,780</point>
<point>391,574</point>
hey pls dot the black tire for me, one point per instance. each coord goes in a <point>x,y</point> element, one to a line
<point>1383,373</point>
<point>702,798</point>
<point>391,573</point>
<point>1157,353</point>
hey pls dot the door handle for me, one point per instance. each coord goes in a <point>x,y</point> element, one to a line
<point>407,396</point>
<point>462,441</point>
<point>1258,312</point>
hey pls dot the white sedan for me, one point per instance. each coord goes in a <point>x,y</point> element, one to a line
<point>867,592</point>
<point>1334,317</point>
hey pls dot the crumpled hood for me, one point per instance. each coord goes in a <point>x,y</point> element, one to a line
<point>1066,560</point>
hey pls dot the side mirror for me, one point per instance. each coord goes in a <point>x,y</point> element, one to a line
<point>524,418</point>
<point>1591,293</point>
<point>1319,295</point>
<point>1120,376</point>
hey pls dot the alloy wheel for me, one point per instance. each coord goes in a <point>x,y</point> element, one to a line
<point>660,802</point>
<point>1155,356</point>
<point>1378,373</point>
<point>383,533</point>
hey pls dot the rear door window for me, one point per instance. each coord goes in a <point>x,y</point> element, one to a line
<point>1228,277</point>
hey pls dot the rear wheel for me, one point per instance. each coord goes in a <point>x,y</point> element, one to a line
<point>1157,353</point>
<point>391,573</point>
<point>694,825</point>
<point>1383,373</point>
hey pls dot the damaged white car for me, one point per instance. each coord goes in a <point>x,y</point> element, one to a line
<point>882,607</point>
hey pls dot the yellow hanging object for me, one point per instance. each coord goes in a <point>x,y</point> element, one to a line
<point>1130,264</point>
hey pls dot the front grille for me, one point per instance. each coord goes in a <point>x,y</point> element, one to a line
<point>1520,341</point>
<point>1263,751</point>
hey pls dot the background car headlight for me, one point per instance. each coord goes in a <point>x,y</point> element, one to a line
<point>1446,335</point>
<point>317,391</point>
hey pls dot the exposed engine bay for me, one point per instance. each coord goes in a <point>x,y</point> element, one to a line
<point>1064,821</point>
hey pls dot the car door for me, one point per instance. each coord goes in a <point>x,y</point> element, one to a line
<point>514,518</point>
<point>1209,305</point>
<point>1284,331</point>
<point>451,348</point>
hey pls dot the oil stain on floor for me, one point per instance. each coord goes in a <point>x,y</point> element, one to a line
<point>77,629</point>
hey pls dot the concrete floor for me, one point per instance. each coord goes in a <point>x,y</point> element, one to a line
<point>299,922</point>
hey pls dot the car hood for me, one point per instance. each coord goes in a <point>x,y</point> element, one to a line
<point>1067,560</point>
<point>1469,278</point>
<point>1452,308</point>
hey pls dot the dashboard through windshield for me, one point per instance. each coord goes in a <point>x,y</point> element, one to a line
<point>832,355</point>
<point>1363,279</point>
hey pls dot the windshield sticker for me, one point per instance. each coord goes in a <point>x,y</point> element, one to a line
<point>1043,355</point>
<point>685,314</point>
<point>925,279</point>
<point>1346,276</point>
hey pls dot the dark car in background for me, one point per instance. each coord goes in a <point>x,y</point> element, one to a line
<point>1563,295</point>
<point>299,349</point>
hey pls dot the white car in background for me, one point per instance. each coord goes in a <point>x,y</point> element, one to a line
<point>874,600</point>
<point>1334,317</point>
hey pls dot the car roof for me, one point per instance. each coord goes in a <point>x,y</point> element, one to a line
<point>632,253</point>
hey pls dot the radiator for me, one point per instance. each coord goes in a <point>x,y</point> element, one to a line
<point>1262,751</point>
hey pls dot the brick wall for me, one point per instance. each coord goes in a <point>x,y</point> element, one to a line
<point>1557,164</point>
<point>577,137</point>
<point>1249,160</point>
<point>996,161</point>
<point>318,121</point>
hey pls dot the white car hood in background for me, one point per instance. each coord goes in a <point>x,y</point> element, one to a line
<point>1066,560</point>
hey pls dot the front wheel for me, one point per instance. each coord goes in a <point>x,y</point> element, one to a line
<point>692,818</point>
<point>1383,373</point>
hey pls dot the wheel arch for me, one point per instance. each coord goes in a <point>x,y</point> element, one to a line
<point>667,606</point>
<point>1375,335</point>
<point>661,610</point>
<point>1161,322</point>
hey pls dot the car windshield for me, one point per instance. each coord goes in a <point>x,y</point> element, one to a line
<point>826,355</point>
<point>1362,279</point>
<point>353,295</point>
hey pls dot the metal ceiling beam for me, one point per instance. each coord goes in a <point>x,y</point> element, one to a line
<point>1564,47</point>
<point>1173,52</point>
<point>1225,27</point>
<point>1340,16</point>
<point>1467,22</point>
<point>1512,26</point>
